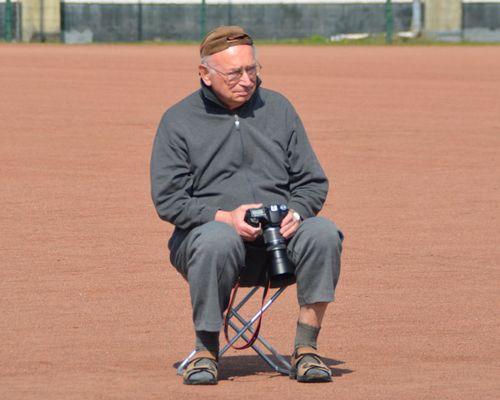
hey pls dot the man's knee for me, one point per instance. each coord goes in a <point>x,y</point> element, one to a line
<point>316,250</point>
<point>321,234</point>
<point>216,250</point>
<point>206,247</point>
<point>217,238</point>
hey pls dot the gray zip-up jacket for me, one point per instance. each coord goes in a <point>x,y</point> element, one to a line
<point>207,158</point>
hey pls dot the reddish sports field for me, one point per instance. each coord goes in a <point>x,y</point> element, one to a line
<point>91,308</point>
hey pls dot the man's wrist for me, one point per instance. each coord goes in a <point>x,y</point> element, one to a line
<point>223,216</point>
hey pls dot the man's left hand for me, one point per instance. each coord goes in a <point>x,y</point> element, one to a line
<point>290,224</point>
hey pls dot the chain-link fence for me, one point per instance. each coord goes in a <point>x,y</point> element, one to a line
<point>138,21</point>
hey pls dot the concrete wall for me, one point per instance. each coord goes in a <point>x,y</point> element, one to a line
<point>131,22</point>
<point>443,15</point>
<point>41,20</point>
<point>457,20</point>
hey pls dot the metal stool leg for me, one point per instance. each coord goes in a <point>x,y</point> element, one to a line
<point>274,364</point>
<point>280,364</point>
<point>279,359</point>
<point>284,368</point>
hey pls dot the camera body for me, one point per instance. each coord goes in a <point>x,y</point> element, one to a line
<point>281,271</point>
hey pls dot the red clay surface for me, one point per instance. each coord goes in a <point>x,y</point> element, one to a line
<point>90,307</point>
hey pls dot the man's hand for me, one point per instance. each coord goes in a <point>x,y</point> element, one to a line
<point>290,224</point>
<point>236,219</point>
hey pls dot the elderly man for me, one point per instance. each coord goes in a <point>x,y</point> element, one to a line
<point>230,146</point>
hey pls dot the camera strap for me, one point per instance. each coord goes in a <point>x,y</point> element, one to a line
<point>255,334</point>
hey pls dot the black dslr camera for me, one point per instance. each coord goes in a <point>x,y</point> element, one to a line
<point>281,271</point>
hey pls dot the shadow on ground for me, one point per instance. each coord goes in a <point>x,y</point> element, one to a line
<point>248,365</point>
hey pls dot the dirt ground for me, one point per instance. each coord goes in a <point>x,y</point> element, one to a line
<point>91,308</point>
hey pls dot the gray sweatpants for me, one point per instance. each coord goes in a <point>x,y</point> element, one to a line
<point>212,256</point>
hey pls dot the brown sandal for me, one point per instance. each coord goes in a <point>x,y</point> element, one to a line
<point>201,370</point>
<point>307,366</point>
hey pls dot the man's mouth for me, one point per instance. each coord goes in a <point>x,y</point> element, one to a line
<point>243,93</point>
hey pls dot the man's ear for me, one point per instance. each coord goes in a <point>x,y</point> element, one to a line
<point>204,74</point>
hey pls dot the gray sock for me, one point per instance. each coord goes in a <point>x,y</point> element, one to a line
<point>207,341</point>
<point>306,335</point>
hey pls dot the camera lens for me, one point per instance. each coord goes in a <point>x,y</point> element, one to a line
<point>281,270</point>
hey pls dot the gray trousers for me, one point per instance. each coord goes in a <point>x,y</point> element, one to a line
<point>212,257</point>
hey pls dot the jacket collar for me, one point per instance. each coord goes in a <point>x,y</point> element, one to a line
<point>209,95</point>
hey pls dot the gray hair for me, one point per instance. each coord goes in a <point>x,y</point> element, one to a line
<point>206,60</point>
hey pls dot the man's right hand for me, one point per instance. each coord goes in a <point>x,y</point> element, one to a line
<point>236,219</point>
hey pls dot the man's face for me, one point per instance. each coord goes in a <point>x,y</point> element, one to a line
<point>223,75</point>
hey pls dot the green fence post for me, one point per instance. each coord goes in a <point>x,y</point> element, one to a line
<point>230,12</point>
<point>388,21</point>
<point>7,23</point>
<point>203,19</point>
<point>139,21</point>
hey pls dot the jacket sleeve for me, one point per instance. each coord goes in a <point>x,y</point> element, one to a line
<point>308,183</point>
<point>171,179</point>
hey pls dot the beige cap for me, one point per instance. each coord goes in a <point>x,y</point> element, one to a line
<point>222,38</point>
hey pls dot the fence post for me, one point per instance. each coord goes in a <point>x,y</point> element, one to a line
<point>42,21</point>
<point>388,21</point>
<point>7,23</point>
<point>230,12</point>
<point>203,19</point>
<point>416,17</point>
<point>139,21</point>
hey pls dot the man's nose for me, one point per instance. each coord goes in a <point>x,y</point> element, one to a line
<point>245,79</point>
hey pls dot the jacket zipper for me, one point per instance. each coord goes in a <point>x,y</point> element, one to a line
<point>250,184</point>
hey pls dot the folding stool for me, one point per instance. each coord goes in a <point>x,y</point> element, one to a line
<point>275,360</point>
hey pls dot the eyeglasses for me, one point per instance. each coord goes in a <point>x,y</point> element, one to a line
<point>233,77</point>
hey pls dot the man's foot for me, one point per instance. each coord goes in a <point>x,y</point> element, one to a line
<point>307,366</point>
<point>201,370</point>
